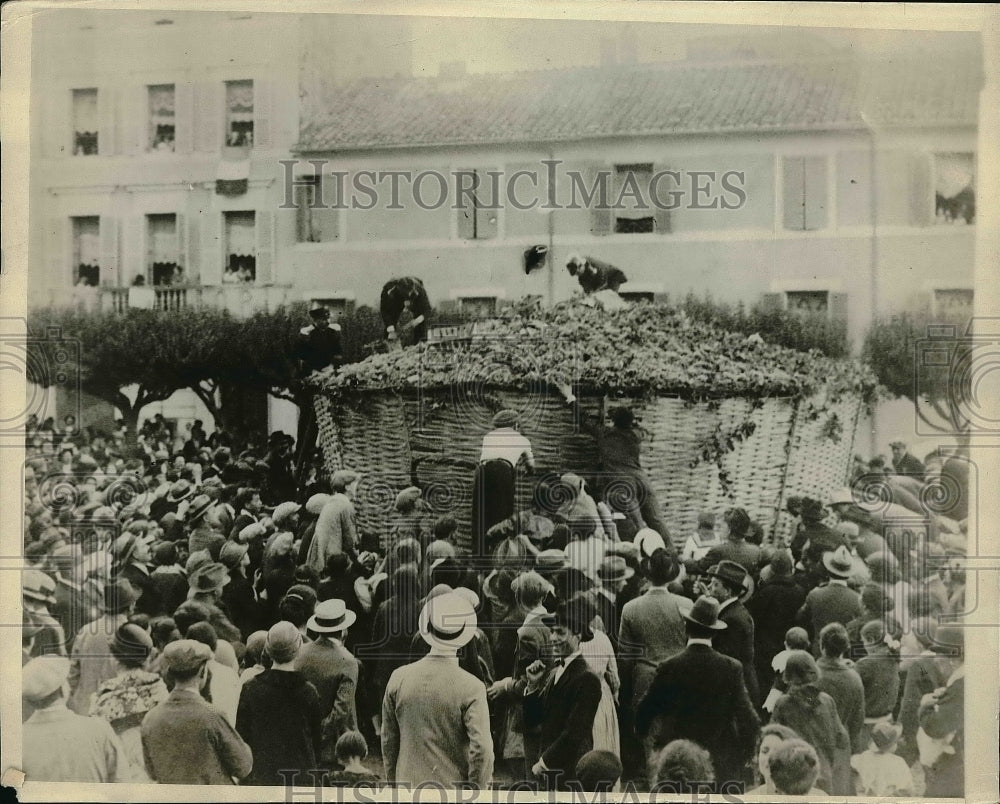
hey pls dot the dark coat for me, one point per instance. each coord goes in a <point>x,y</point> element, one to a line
<point>841,681</point>
<point>737,641</point>
<point>700,695</point>
<point>773,609</point>
<point>280,718</point>
<point>171,588</point>
<point>744,553</point>
<point>149,602</point>
<point>812,714</point>
<point>909,465</point>
<point>923,676</point>
<point>238,599</point>
<point>833,603</point>
<point>565,713</point>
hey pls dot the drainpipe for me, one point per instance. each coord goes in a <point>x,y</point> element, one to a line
<point>873,256</point>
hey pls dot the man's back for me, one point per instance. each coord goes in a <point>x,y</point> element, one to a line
<point>186,740</point>
<point>331,667</point>
<point>828,604</point>
<point>433,712</point>
<point>61,746</point>
<point>652,630</point>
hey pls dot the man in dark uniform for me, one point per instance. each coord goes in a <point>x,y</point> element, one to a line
<point>903,463</point>
<point>319,344</point>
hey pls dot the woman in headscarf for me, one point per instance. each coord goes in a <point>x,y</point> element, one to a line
<point>812,713</point>
<point>125,699</point>
<point>587,541</point>
<point>494,486</point>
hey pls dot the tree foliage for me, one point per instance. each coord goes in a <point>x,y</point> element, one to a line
<point>914,360</point>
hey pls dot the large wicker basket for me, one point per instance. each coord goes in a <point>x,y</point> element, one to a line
<point>433,441</point>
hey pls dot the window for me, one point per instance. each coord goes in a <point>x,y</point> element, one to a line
<point>478,306</point>
<point>954,189</point>
<point>804,185</point>
<point>240,247</point>
<point>163,257</point>
<point>161,118</point>
<point>85,122</point>
<point>954,304</point>
<point>631,191</point>
<point>87,251</point>
<point>808,302</point>
<point>338,305</point>
<point>314,224</point>
<point>474,196</point>
<point>239,113</point>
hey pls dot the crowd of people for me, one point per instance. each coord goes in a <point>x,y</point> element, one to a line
<point>231,623</point>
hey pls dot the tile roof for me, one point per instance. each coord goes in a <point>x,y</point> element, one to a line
<point>643,100</point>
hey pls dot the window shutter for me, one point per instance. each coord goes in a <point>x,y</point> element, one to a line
<point>448,306</point>
<point>264,232</point>
<point>135,248</point>
<point>180,223</point>
<point>772,302</point>
<point>838,306</point>
<point>662,224</point>
<point>921,192</point>
<point>109,249</point>
<point>263,136</point>
<point>193,247</point>
<point>466,211</point>
<point>210,99</point>
<point>57,134</point>
<point>600,215</point>
<point>59,247</point>
<point>106,114</point>
<point>793,192</point>
<point>487,220</point>
<point>326,224</point>
<point>213,239</point>
<point>136,122</point>
<point>184,117</point>
<point>815,168</point>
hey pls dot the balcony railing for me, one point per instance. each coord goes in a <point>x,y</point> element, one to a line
<point>240,300</point>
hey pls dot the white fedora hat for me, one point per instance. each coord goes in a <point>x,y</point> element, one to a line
<point>448,621</point>
<point>331,616</point>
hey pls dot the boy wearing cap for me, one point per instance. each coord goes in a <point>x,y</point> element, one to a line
<point>879,771</point>
<point>59,745</point>
<point>279,714</point>
<point>186,740</point>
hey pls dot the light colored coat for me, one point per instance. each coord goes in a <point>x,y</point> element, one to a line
<point>651,631</point>
<point>335,532</point>
<point>436,725</point>
<point>91,661</point>
<point>60,746</point>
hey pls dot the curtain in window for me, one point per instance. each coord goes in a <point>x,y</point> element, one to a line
<point>239,100</point>
<point>240,235</point>
<point>85,110</point>
<point>163,239</point>
<point>161,116</point>
<point>87,247</point>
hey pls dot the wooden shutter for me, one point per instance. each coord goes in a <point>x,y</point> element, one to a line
<point>180,223</point>
<point>921,190</point>
<point>264,233</point>
<point>210,99</point>
<point>793,192</point>
<point>815,171</point>
<point>772,301</point>
<point>263,136</point>
<point>837,303</point>
<point>194,246</point>
<point>662,222</point>
<point>183,117</point>
<point>136,119</point>
<point>107,139</point>
<point>135,248</point>
<point>213,240</point>
<point>464,208</point>
<point>326,220</point>
<point>600,214</point>
<point>60,249</point>
<point>487,220</point>
<point>109,249</point>
<point>57,124</point>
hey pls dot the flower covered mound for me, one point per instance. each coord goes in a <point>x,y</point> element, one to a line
<point>644,349</point>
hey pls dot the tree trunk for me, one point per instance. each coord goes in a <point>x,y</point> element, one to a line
<point>130,416</point>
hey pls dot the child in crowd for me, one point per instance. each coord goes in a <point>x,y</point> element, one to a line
<point>794,767</point>
<point>351,749</point>
<point>879,772</point>
<point>599,772</point>
<point>796,638</point>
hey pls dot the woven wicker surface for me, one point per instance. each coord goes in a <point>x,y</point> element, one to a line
<point>434,442</point>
